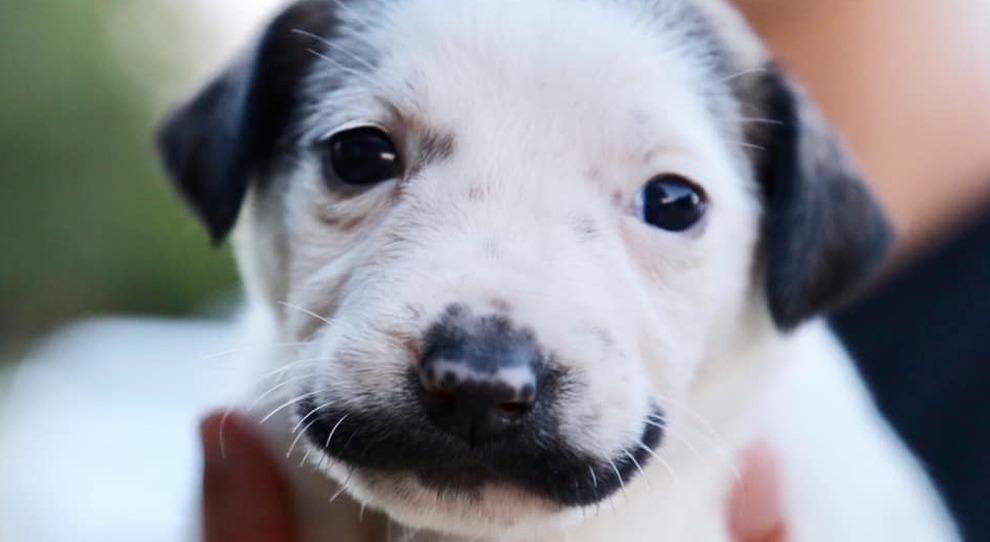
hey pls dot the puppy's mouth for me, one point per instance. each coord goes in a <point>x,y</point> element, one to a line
<point>467,478</point>
<point>399,442</point>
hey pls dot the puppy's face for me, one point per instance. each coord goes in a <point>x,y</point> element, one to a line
<point>512,234</point>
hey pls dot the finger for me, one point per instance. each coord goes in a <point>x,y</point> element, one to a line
<point>756,514</point>
<point>245,498</point>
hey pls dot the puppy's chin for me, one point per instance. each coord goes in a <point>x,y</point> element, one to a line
<point>468,504</point>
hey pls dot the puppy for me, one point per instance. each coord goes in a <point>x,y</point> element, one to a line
<point>549,266</point>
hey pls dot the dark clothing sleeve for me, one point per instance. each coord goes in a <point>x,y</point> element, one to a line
<point>922,341</point>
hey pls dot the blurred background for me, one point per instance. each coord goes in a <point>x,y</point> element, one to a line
<point>111,295</point>
<point>89,226</point>
<point>90,230</point>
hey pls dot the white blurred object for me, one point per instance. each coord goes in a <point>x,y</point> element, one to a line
<point>171,47</point>
<point>98,424</point>
<point>235,17</point>
<point>98,433</point>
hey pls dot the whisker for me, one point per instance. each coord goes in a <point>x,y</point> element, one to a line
<point>222,430</point>
<point>222,434</point>
<point>310,413</point>
<point>352,13</point>
<point>299,436</point>
<point>662,462</point>
<point>343,487</point>
<point>334,430</point>
<point>638,467</point>
<point>622,483</point>
<point>231,351</point>
<point>341,67</point>
<point>277,386</point>
<point>287,404</point>
<point>336,47</point>
<point>703,421</point>
<point>278,373</point>
<point>681,438</point>
<point>304,311</point>
<point>757,120</point>
<point>746,145</point>
<point>709,435</point>
<point>742,73</point>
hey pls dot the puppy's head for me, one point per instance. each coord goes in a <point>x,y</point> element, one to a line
<point>513,233</point>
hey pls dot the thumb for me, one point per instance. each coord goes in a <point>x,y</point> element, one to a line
<point>756,514</point>
<point>245,498</point>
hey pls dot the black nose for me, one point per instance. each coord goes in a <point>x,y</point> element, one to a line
<point>479,376</point>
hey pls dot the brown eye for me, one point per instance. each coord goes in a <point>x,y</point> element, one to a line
<point>671,202</point>
<point>361,156</point>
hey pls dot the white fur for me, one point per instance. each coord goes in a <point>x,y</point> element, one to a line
<point>559,112</point>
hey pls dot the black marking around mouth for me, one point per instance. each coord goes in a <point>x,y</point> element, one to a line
<point>399,439</point>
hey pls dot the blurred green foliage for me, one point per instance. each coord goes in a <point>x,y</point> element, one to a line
<point>88,224</point>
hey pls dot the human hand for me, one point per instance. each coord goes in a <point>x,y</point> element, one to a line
<point>245,498</point>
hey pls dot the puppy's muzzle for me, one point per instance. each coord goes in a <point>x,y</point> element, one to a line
<point>482,402</point>
<point>480,377</point>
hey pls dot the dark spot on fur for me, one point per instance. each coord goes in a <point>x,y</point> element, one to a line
<point>433,147</point>
<point>436,146</point>
<point>603,337</point>
<point>491,249</point>
<point>586,228</point>
<point>415,312</point>
<point>477,193</point>
<point>617,198</point>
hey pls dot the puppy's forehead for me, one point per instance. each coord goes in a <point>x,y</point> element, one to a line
<point>615,72</point>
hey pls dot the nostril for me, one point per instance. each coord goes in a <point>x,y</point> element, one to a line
<point>514,410</point>
<point>443,398</point>
<point>448,381</point>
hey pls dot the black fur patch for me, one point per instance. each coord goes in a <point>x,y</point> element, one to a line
<point>824,235</point>
<point>397,438</point>
<point>586,228</point>
<point>234,129</point>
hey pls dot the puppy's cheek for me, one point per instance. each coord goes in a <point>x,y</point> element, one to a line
<point>605,410</point>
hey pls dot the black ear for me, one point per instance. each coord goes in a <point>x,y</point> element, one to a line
<point>824,235</point>
<point>233,129</point>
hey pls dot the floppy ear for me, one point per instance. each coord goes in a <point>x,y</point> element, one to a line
<point>233,129</point>
<point>824,234</point>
